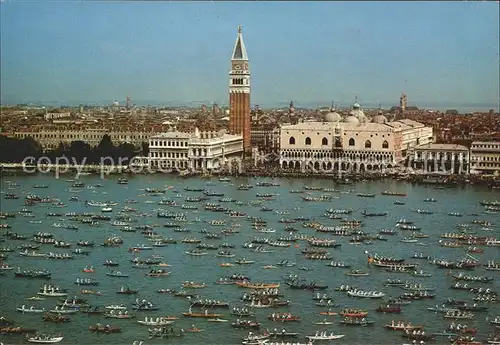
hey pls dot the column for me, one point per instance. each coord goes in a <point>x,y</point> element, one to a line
<point>453,162</point>
<point>461,164</point>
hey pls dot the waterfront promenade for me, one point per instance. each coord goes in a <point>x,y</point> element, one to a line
<point>260,171</point>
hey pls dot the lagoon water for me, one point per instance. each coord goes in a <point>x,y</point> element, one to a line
<point>14,291</point>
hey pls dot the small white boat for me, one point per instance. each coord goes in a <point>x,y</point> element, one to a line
<point>117,307</point>
<point>117,274</point>
<point>365,294</point>
<point>159,321</point>
<point>217,320</point>
<point>31,309</point>
<point>259,305</point>
<point>495,321</point>
<point>45,339</point>
<point>63,310</point>
<point>259,342</point>
<point>35,298</point>
<point>107,209</point>
<point>193,253</point>
<point>325,336</point>
<point>32,254</point>
<point>52,293</point>
<point>324,322</point>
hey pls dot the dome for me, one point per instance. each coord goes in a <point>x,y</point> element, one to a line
<point>356,105</point>
<point>380,119</point>
<point>359,114</point>
<point>333,117</point>
<point>352,119</point>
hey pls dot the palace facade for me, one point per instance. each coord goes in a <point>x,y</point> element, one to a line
<point>351,143</point>
<point>199,151</point>
<point>50,139</point>
<point>485,157</point>
<point>441,158</point>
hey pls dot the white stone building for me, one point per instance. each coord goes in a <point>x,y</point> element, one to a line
<point>485,157</point>
<point>351,143</point>
<point>440,158</point>
<point>199,151</point>
<point>53,116</point>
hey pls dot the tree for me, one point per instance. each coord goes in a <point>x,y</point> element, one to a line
<point>15,150</point>
<point>105,148</point>
<point>80,152</point>
<point>60,151</point>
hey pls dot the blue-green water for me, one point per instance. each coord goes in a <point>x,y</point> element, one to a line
<point>206,268</point>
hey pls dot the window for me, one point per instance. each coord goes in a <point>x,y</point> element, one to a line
<point>308,141</point>
<point>368,144</point>
<point>324,142</point>
<point>352,142</point>
<point>385,144</point>
<point>291,141</point>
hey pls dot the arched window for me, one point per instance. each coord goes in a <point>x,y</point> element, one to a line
<point>324,141</point>
<point>308,141</point>
<point>291,141</point>
<point>368,144</point>
<point>385,144</point>
<point>352,142</point>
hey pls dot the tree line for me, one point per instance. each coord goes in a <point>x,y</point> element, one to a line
<point>15,150</point>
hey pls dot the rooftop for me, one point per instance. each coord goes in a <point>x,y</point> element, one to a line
<point>364,126</point>
<point>485,142</point>
<point>442,147</point>
<point>173,135</point>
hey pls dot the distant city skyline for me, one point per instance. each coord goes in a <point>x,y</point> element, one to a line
<point>462,107</point>
<point>442,55</point>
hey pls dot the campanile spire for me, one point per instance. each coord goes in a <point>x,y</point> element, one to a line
<point>239,51</point>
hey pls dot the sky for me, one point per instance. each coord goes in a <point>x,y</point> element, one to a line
<point>438,53</point>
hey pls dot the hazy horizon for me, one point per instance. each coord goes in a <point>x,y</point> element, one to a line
<point>442,54</point>
<point>461,107</point>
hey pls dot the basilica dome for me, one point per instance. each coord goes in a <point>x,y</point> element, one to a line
<point>333,117</point>
<point>380,119</point>
<point>352,119</point>
<point>358,113</point>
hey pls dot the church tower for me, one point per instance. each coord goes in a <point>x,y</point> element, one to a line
<point>239,93</point>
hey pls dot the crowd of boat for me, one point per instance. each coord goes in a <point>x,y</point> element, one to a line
<point>462,273</point>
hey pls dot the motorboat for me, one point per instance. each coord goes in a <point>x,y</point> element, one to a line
<point>44,339</point>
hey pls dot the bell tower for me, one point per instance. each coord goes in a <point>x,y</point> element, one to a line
<point>239,93</point>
